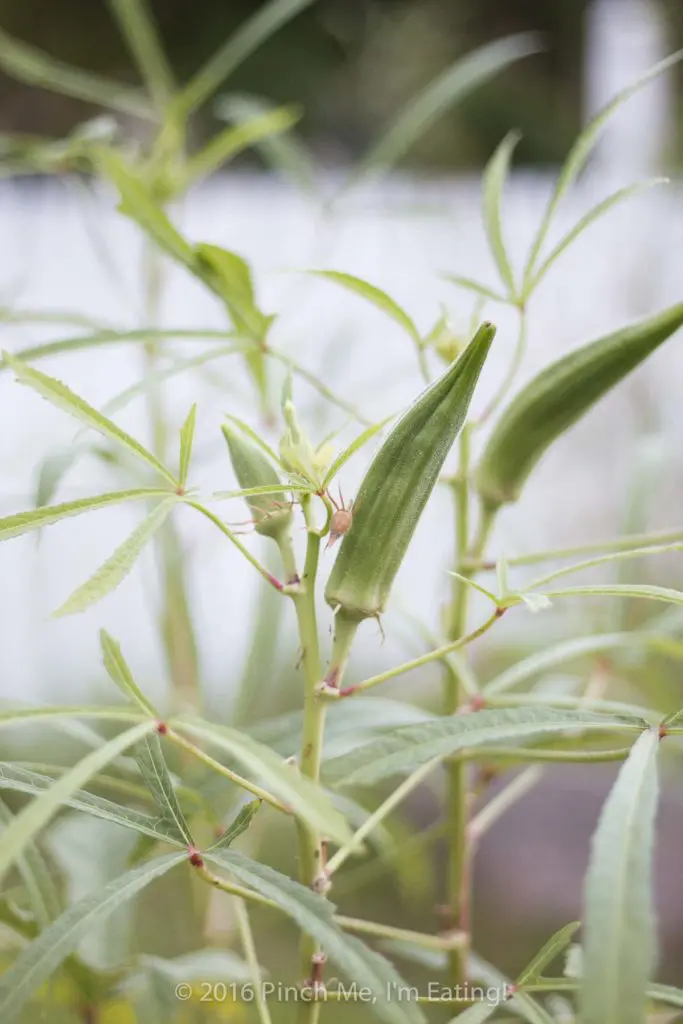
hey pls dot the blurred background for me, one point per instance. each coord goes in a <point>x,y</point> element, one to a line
<point>350,66</point>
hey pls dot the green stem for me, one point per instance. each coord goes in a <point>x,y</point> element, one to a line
<point>387,931</point>
<point>249,950</point>
<point>225,529</point>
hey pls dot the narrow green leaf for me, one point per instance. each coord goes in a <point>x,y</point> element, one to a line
<point>237,826</point>
<point>407,748</point>
<point>286,153</point>
<point>253,436</point>
<point>231,141</point>
<point>641,590</point>
<point>674,720</point>
<point>118,671</point>
<point>619,938</point>
<point>42,890</point>
<point>35,67</point>
<point>112,572</point>
<point>18,715</point>
<point>468,582</point>
<point>358,442</point>
<point>552,949</point>
<point>229,276</point>
<point>37,814</point>
<point>112,337</point>
<point>308,802</point>
<point>581,150</point>
<point>40,958</point>
<point>155,774</point>
<point>371,293</point>
<point>613,556</point>
<point>241,44</point>
<point>142,38</point>
<point>474,286</point>
<point>589,218</point>
<point>448,88</point>
<point>186,440</point>
<point>35,519</point>
<point>313,914</point>
<point>64,398</point>
<point>254,492</point>
<point>495,177</point>
<point>23,780</point>
<point>666,994</point>
<point>555,399</point>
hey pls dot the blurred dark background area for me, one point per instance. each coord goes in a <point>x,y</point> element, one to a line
<point>350,64</point>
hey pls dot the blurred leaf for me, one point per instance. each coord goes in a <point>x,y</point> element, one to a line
<point>261,668</point>
<point>355,446</point>
<point>119,672</point>
<point>307,800</point>
<point>641,590</point>
<point>585,222</point>
<point>452,85</point>
<point>186,441</point>
<point>112,572</point>
<point>581,150</point>
<point>155,774</point>
<point>619,927</point>
<point>473,286</point>
<point>113,337</point>
<point>60,395</point>
<point>142,38</point>
<point>35,67</point>
<point>614,556</point>
<point>14,715</point>
<point>43,893</point>
<point>37,814</point>
<point>22,780</point>
<point>313,914</point>
<point>409,747</point>
<point>240,824</point>
<point>375,296</point>
<point>666,994</point>
<point>228,143</point>
<point>495,177</point>
<point>24,522</point>
<point>284,152</point>
<point>229,276</point>
<point>253,436</point>
<point>552,949</point>
<point>235,50</point>
<point>37,961</point>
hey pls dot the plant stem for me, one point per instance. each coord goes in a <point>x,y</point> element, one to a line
<point>311,864</point>
<point>249,950</point>
<point>387,931</point>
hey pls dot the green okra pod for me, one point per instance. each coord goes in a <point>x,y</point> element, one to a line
<point>555,399</point>
<point>398,484</point>
<point>252,469</point>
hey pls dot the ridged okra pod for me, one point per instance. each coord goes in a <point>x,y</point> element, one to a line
<point>253,469</point>
<point>397,486</point>
<point>555,399</point>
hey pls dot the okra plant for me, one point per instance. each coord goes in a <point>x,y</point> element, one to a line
<point>202,799</point>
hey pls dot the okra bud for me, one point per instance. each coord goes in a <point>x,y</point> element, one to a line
<point>557,398</point>
<point>253,469</point>
<point>398,484</point>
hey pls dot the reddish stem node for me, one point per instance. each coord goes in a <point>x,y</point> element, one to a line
<point>663,731</point>
<point>162,728</point>
<point>195,858</point>
<point>275,582</point>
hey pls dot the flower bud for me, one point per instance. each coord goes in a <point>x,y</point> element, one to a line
<point>253,469</point>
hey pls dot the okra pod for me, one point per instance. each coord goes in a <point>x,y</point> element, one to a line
<point>398,484</point>
<point>556,398</point>
<point>253,469</point>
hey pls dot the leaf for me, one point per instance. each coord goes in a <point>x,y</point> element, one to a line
<point>407,748</point>
<point>640,590</point>
<point>35,67</point>
<point>464,76</point>
<point>22,780</point>
<point>351,450</point>
<point>495,177</point>
<point>307,800</point>
<point>614,556</point>
<point>474,286</point>
<point>253,436</point>
<point>619,927</point>
<point>285,152</point>
<point>246,40</point>
<point>229,276</point>
<point>313,914</point>
<point>36,815</point>
<point>39,960</point>
<point>35,519</point>
<point>186,440</point>
<point>666,994</point>
<point>60,395</point>
<point>112,572</point>
<point>35,874</point>
<point>552,949</point>
<point>118,671</point>
<point>371,293</point>
<point>142,38</point>
<point>14,715</point>
<point>237,826</point>
<point>228,143</point>
<point>81,342</point>
<point>538,662</point>
<point>585,222</point>
<point>580,151</point>
<point>155,774</point>
<point>558,397</point>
